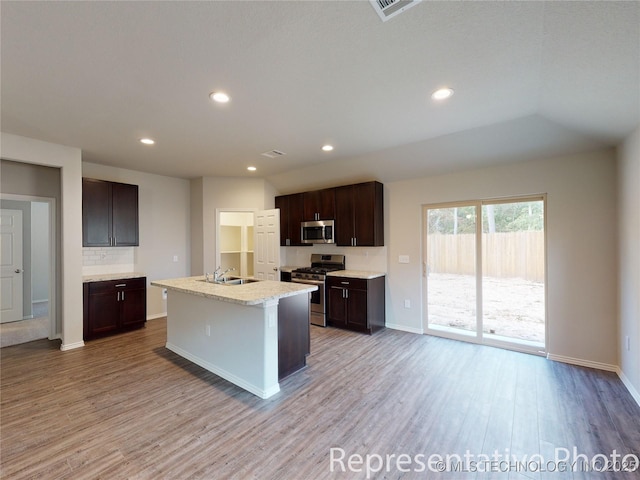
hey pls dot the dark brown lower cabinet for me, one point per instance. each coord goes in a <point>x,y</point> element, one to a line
<point>114,306</point>
<point>294,341</point>
<point>356,303</point>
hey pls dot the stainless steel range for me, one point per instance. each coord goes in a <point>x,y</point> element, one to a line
<point>315,275</point>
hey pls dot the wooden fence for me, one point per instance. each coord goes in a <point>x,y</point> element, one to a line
<point>506,255</point>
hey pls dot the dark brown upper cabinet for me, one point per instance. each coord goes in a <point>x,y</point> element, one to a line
<point>359,218</point>
<point>291,213</point>
<point>109,214</point>
<point>320,205</point>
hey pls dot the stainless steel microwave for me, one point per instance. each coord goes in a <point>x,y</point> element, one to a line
<point>320,231</point>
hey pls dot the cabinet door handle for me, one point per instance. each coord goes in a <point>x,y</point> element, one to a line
<point>123,296</point>
<point>121,285</point>
<point>118,296</point>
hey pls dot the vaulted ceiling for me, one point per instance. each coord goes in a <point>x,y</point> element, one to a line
<point>531,80</point>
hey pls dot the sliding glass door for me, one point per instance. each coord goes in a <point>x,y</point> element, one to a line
<point>513,303</point>
<point>484,271</point>
<point>450,268</point>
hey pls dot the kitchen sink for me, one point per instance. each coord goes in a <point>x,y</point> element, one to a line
<point>237,281</point>
<point>232,281</point>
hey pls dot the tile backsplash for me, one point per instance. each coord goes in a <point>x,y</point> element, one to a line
<point>356,258</point>
<point>107,260</point>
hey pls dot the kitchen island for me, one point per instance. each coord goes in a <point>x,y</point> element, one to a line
<point>252,335</point>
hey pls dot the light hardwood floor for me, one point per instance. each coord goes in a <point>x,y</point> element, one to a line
<point>126,407</point>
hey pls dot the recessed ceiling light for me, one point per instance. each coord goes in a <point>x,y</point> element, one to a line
<point>147,141</point>
<point>442,93</point>
<point>219,97</point>
<point>327,148</point>
<point>252,169</point>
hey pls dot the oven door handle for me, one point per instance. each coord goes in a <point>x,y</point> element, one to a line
<point>308,282</point>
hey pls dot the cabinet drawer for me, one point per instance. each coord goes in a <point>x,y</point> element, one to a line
<point>347,282</point>
<point>114,285</point>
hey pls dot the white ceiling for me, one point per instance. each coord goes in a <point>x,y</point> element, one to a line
<point>532,79</point>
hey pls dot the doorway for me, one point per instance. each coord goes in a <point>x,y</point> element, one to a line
<point>37,318</point>
<point>484,272</point>
<point>234,248</point>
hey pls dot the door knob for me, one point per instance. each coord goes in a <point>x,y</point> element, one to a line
<point>275,269</point>
<point>18,270</point>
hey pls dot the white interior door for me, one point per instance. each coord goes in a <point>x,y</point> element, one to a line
<point>266,244</point>
<point>11,263</point>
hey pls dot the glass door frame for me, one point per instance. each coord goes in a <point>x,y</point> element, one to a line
<point>478,336</point>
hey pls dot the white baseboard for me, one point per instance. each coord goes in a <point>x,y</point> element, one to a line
<point>260,392</point>
<point>583,363</point>
<point>157,315</point>
<point>600,366</point>
<point>70,346</point>
<point>404,328</point>
<point>627,383</point>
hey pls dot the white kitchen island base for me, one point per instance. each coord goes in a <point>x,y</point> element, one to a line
<point>237,342</point>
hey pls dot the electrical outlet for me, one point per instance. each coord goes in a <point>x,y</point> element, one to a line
<point>407,303</point>
<point>175,258</point>
<point>403,258</point>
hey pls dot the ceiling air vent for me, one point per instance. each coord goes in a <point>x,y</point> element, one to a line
<point>273,154</point>
<point>387,9</point>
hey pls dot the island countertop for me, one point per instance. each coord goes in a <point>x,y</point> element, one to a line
<point>254,293</point>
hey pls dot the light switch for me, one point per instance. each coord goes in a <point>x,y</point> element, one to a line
<point>407,303</point>
<point>403,259</point>
<point>175,258</point>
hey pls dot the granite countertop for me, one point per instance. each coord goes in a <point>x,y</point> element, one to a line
<point>362,274</point>
<point>253,293</point>
<point>111,276</point>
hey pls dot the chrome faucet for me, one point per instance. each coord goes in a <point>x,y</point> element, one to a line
<point>216,276</point>
<point>212,277</point>
<point>220,277</point>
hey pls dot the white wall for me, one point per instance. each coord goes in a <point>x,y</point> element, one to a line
<point>68,160</point>
<point>223,193</point>
<point>581,245</point>
<point>164,221</point>
<point>40,255</point>
<point>197,227</point>
<point>629,261</point>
